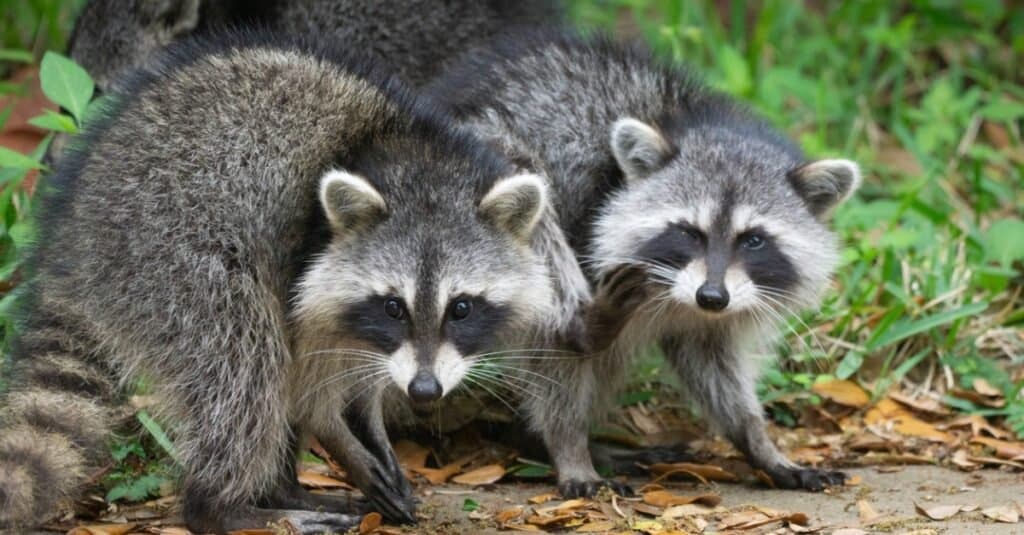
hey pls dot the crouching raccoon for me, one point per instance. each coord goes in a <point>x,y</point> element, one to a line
<point>252,228</point>
<point>699,225</point>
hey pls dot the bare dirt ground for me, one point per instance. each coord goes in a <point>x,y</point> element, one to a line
<point>894,496</point>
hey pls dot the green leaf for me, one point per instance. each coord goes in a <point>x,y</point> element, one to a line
<point>470,505</point>
<point>16,56</point>
<point>632,398</point>
<point>66,84</point>
<point>531,470</point>
<point>736,72</point>
<point>158,433</point>
<point>849,365</point>
<point>51,120</point>
<point>22,233</point>
<point>1004,241</point>
<point>137,490</point>
<point>906,328</point>
<point>17,160</point>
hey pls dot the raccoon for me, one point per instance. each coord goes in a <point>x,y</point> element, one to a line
<point>413,37</point>
<point>262,258</point>
<point>699,226</point>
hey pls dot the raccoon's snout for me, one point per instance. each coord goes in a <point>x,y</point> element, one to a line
<point>425,388</point>
<point>713,297</point>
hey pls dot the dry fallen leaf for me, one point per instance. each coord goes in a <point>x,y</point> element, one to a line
<point>437,476</point>
<point>939,512</point>
<point>567,505</point>
<point>596,527</point>
<point>849,531</point>
<point>924,403</point>
<point>542,520</point>
<point>866,513</point>
<point>845,393</point>
<point>703,472</point>
<point>411,455</point>
<point>690,509</point>
<point>664,498</point>
<point>1008,514</point>
<point>508,515</point>
<point>1004,449</point>
<point>543,498</point>
<point>484,475</point>
<point>316,480</point>
<point>985,388</point>
<point>903,422</point>
<point>370,523</point>
<point>102,529</point>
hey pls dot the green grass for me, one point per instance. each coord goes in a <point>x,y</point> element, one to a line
<point>927,95</point>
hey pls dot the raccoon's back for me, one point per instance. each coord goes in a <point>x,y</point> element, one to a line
<point>415,38</point>
<point>549,96</point>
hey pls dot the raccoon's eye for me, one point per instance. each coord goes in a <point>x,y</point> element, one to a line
<point>394,309</point>
<point>461,309</point>
<point>752,242</point>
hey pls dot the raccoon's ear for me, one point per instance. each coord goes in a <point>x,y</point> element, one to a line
<point>639,149</point>
<point>350,203</point>
<point>171,18</point>
<point>825,184</point>
<point>515,204</point>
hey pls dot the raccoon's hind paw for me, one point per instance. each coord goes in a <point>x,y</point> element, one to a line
<point>575,488</point>
<point>309,522</point>
<point>807,479</point>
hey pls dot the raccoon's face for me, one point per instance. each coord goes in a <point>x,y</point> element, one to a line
<point>414,290</point>
<point>722,221</point>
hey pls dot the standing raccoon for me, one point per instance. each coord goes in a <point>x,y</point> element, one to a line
<point>700,228</point>
<point>258,255</point>
<point>412,37</point>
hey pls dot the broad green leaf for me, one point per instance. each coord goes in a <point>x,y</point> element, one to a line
<point>470,505</point>
<point>1004,241</point>
<point>51,120</point>
<point>17,160</point>
<point>66,84</point>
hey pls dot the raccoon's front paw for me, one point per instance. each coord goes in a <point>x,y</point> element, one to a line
<point>389,496</point>
<point>810,479</point>
<point>311,523</point>
<point>575,488</point>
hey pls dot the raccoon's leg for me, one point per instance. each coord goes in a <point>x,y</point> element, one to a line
<point>379,478</point>
<point>365,418</point>
<point>289,494</point>
<point>559,409</point>
<point>720,380</point>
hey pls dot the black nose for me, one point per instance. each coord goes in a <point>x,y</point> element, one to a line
<point>424,388</point>
<point>712,297</point>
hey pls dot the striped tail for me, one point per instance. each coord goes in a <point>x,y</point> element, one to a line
<point>55,421</point>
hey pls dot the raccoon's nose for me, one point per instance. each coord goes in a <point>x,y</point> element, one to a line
<point>712,297</point>
<point>424,387</point>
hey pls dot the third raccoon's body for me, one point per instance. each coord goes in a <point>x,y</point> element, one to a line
<point>674,197</point>
<point>414,38</point>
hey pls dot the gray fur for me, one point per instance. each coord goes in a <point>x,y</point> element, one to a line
<point>647,164</point>
<point>413,37</point>
<point>185,243</point>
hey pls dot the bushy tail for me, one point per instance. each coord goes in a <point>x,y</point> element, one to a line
<point>60,407</point>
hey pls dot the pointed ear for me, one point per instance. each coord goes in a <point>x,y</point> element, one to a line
<point>639,149</point>
<point>825,184</point>
<point>172,18</point>
<point>515,204</point>
<point>350,203</point>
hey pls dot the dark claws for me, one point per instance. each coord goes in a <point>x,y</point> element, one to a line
<point>810,479</point>
<point>587,489</point>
